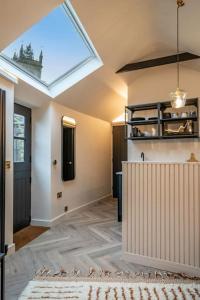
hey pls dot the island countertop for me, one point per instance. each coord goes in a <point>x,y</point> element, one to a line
<point>160,162</point>
<point>161,215</point>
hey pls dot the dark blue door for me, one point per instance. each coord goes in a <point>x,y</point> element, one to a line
<point>22,167</point>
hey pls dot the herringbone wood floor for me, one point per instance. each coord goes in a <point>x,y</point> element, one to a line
<point>90,238</point>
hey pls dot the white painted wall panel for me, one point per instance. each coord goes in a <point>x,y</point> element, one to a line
<point>161,214</point>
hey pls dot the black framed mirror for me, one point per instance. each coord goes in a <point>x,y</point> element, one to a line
<point>68,148</point>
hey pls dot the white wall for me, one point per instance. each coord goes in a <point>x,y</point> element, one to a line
<point>9,88</point>
<point>41,164</point>
<point>155,85</point>
<point>93,163</point>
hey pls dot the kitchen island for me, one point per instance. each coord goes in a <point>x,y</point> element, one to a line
<point>161,215</point>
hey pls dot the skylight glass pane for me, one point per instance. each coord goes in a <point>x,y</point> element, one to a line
<point>51,48</point>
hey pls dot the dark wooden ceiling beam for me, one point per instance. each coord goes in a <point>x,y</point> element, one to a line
<point>161,61</point>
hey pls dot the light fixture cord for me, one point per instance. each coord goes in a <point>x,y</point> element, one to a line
<point>178,61</point>
<point>180,3</point>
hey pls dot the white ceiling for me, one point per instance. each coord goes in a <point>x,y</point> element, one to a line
<point>122,31</point>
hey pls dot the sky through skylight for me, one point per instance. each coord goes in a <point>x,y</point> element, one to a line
<point>62,46</point>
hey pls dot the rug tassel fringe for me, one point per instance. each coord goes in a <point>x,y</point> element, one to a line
<point>45,272</point>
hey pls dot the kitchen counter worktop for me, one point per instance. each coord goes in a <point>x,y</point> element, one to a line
<point>159,162</point>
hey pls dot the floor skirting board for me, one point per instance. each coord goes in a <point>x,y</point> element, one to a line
<point>11,249</point>
<point>41,222</point>
<point>161,264</point>
<point>54,221</point>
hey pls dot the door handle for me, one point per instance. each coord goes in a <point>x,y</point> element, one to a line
<point>69,162</point>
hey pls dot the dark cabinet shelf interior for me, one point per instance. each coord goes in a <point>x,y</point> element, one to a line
<point>178,119</point>
<point>144,122</point>
<point>167,123</point>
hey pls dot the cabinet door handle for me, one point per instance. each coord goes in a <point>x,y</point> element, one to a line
<point>69,162</point>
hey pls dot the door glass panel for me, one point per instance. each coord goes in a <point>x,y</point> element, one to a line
<point>19,126</point>
<point>18,150</point>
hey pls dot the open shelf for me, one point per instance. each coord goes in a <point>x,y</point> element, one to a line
<point>137,138</point>
<point>183,136</point>
<point>178,119</point>
<point>141,107</point>
<point>142,122</point>
<point>159,109</point>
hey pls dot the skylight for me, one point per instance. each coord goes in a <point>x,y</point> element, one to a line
<point>53,54</point>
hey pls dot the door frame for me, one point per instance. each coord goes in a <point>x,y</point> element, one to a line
<point>2,191</point>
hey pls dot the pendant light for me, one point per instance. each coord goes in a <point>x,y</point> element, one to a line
<point>178,98</point>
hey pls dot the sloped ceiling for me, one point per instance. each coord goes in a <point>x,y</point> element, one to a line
<point>122,31</point>
<point>18,15</point>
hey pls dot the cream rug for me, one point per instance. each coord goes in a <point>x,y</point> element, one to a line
<point>103,285</point>
<point>91,290</point>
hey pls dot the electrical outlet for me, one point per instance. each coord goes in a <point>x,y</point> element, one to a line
<point>59,195</point>
<point>65,208</point>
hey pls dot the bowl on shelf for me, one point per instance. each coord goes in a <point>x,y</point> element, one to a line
<point>146,133</point>
<point>174,115</point>
<point>184,115</point>
<point>152,118</point>
<point>166,115</point>
<point>135,119</point>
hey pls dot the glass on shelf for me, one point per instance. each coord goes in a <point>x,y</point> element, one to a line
<point>184,113</point>
<point>144,131</point>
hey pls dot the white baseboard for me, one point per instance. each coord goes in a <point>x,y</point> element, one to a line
<point>41,222</point>
<point>54,221</point>
<point>161,264</point>
<point>11,249</point>
<point>82,207</point>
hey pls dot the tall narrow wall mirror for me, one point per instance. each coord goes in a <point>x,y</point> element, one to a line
<point>68,148</point>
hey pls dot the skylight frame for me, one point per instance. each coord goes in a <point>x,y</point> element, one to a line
<point>72,76</point>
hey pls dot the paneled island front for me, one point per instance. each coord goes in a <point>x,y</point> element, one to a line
<point>161,215</point>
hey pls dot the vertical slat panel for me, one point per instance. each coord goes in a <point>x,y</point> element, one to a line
<point>196,216</point>
<point>182,221</point>
<point>141,220</point>
<point>154,210</point>
<point>145,210</point>
<point>137,219</point>
<point>171,219</point>
<point>133,216</point>
<point>176,213</point>
<point>149,209</point>
<point>186,214</point>
<point>167,212</point>
<point>161,211</point>
<point>129,229</point>
<point>158,208</point>
<point>163,214</point>
<point>191,213</point>
<point>124,207</point>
